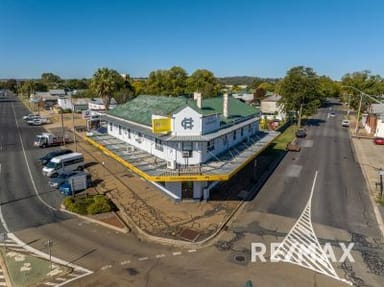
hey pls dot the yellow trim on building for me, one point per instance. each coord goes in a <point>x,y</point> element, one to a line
<point>175,178</point>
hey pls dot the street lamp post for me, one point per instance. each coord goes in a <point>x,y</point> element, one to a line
<point>358,114</point>
<point>361,99</point>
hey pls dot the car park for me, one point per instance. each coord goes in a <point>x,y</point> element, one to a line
<point>64,163</point>
<point>293,146</point>
<point>378,141</point>
<point>301,133</point>
<point>30,117</point>
<point>45,159</point>
<point>55,182</point>
<point>345,123</point>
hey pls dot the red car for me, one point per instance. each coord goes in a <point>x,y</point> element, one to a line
<point>378,141</point>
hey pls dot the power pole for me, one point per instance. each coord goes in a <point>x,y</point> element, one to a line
<point>73,124</point>
<point>62,126</point>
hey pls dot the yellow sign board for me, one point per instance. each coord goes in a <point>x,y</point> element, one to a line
<point>161,125</point>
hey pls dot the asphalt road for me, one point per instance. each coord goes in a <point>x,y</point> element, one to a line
<point>340,198</point>
<point>340,202</point>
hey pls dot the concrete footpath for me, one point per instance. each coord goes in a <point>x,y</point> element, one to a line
<point>371,159</point>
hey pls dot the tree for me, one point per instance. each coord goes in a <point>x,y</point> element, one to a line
<point>170,82</point>
<point>176,81</point>
<point>300,92</point>
<point>105,82</point>
<point>328,87</point>
<point>156,83</point>
<point>126,92</point>
<point>363,81</point>
<point>203,81</point>
<point>51,80</point>
<point>27,88</point>
<point>76,84</point>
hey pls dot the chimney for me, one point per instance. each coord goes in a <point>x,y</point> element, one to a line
<point>225,105</point>
<point>198,98</point>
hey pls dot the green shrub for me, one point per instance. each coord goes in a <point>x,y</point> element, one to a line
<point>88,205</point>
<point>100,205</point>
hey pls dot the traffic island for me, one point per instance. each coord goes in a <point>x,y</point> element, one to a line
<point>29,270</point>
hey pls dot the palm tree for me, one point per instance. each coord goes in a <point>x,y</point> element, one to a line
<point>104,83</point>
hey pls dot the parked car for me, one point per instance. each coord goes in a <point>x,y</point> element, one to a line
<point>56,181</point>
<point>345,123</point>
<point>379,141</point>
<point>332,115</point>
<point>31,120</point>
<point>75,183</point>
<point>45,159</point>
<point>30,117</point>
<point>39,121</point>
<point>301,133</point>
<point>293,146</point>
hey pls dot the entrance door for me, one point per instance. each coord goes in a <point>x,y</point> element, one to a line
<point>187,189</point>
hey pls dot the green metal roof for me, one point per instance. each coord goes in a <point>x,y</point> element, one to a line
<point>141,108</point>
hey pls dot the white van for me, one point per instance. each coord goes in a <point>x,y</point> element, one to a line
<point>64,163</point>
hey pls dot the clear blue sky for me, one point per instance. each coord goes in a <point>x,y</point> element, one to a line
<point>72,38</point>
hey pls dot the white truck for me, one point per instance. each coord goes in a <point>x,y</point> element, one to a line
<point>48,139</point>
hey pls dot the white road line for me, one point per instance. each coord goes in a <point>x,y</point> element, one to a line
<point>125,262</point>
<point>106,267</point>
<point>2,220</point>
<point>50,283</point>
<point>143,258</point>
<point>28,167</point>
<point>160,255</point>
<point>176,253</point>
<point>192,250</point>
<point>60,279</point>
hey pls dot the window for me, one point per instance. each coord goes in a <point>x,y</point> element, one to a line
<point>225,140</point>
<point>211,145</point>
<point>187,146</point>
<point>73,161</point>
<point>249,129</point>
<point>234,135</point>
<point>119,130</point>
<point>242,132</point>
<point>129,133</point>
<point>159,145</point>
<point>139,137</point>
<point>110,126</point>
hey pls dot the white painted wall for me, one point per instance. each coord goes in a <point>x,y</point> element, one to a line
<point>380,129</point>
<point>181,122</point>
<point>64,103</point>
<point>173,151</point>
<point>210,124</point>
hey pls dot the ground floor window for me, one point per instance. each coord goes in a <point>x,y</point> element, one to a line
<point>159,145</point>
<point>187,189</point>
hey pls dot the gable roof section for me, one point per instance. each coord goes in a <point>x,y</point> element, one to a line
<point>141,108</point>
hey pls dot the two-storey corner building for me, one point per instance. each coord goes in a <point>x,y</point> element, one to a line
<point>184,146</point>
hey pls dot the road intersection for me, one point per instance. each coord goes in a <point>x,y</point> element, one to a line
<point>341,212</point>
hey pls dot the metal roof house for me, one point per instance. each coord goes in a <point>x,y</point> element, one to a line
<point>182,145</point>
